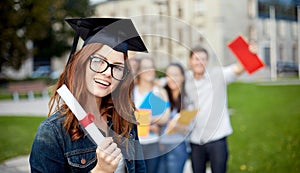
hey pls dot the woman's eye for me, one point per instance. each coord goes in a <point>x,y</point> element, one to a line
<point>119,68</point>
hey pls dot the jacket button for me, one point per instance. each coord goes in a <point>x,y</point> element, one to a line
<point>83,161</point>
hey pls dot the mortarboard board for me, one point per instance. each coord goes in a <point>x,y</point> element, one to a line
<point>119,34</point>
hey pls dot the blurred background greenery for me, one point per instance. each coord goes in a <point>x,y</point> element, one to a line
<point>36,28</point>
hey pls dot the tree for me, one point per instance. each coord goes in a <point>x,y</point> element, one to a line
<point>39,23</point>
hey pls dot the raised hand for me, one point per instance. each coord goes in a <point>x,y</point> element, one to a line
<point>108,157</point>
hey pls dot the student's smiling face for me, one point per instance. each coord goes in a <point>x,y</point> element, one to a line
<point>198,62</point>
<point>102,84</point>
<point>147,71</point>
<point>174,77</point>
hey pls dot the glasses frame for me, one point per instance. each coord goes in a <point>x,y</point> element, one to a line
<point>125,71</point>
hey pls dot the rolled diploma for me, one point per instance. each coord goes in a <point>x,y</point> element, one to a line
<point>80,113</point>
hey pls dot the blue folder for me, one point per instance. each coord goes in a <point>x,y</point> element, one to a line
<point>155,103</point>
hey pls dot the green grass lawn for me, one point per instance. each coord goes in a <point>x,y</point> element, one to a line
<point>17,134</point>
<point>266,123</point>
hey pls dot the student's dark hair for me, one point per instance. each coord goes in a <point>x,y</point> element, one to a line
<point>198,48</point>
<point>176,103</point>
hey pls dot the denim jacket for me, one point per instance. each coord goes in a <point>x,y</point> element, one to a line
<point>54,151</point>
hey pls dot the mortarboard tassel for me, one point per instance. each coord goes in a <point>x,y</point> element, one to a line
<point>75,42</point>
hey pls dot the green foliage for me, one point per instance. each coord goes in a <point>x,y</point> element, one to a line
<point>160,73</point>
<point>40,23</point>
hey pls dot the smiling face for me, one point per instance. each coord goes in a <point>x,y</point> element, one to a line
<point>146,70</point>
<point>174,77</point>
<point>102,83</point>
<point>198,62</point>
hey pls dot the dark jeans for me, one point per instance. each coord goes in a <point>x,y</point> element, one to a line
<point>174,160</point>
<point>215,152</point>
<point>151,155</point>
<point>152,165</point>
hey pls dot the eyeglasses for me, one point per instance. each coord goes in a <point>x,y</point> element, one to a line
<point>100,65</point>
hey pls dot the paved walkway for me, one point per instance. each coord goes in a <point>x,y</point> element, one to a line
<point>16,165</point>
<point>36,107</point>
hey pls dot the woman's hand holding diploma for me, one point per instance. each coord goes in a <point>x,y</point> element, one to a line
<point>108,156</point>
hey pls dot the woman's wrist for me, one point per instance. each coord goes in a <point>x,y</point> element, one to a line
<point>98,170</point>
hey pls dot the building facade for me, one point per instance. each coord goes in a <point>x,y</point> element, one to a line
<point>171,27</point>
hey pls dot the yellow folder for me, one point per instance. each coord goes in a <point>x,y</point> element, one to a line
<point>143,117</point>
<point>184,118</point>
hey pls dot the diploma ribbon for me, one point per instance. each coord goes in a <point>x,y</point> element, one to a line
<point>87,120</point>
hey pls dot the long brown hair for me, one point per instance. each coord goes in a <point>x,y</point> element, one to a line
<point>176,102</point>
<point>112,105</point>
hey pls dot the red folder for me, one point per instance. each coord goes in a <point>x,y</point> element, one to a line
<point>249,60</point>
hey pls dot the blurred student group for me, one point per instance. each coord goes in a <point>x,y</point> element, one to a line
<point>184,113</point>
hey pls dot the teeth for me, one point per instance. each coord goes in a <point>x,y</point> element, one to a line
<point>102,82</point>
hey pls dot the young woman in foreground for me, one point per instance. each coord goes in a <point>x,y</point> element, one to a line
<point>99,77</point>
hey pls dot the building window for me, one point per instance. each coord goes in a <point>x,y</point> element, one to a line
<point>295,53</point>
<point>251,9</point>
<point>266,28</point>
<point>199,7</point>
<point>252,34</point>
<point>180,12</point>
<point>281,29</point>
<point>161,41</point>
<point>281,52</point>
<point>294,30</point>
<point>180,35</point>
<point>267,56</point>
<point>284,9</point>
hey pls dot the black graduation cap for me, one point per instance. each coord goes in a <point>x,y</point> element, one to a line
<point>119,34</point>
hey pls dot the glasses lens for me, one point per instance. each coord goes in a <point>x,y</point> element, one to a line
<point>100,65</point>
<point>118,72</point>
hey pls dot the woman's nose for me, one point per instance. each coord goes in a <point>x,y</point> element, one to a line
<point>108,71</point>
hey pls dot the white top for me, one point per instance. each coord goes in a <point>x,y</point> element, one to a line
<point>209,95</point>
<point>121,167</point>
<point>138,99</point>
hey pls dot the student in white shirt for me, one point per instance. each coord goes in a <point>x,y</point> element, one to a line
<point>207,89</point>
